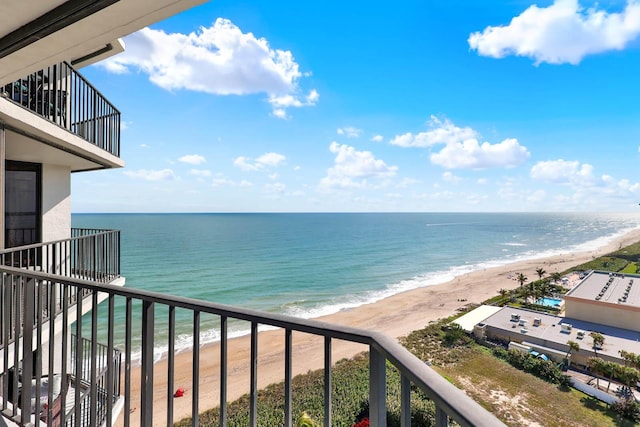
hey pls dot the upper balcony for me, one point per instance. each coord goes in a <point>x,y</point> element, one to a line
<point>61,95</point>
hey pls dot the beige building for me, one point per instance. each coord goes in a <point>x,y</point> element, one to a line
<point>604,302</point>
<point>548,334</point>
<point>611,299</point>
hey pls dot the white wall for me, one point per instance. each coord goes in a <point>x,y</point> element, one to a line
<point>56,202</point>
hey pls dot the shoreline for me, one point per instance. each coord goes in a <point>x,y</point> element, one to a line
<point>435,278</point>
<point>396,316</point>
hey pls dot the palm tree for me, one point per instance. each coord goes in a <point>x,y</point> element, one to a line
<point>630,359</point>
<point>544,289</point>
<point>503,293</point>
<point>597,366</point>
<point>556,277</point>
<point>612,370</point>
<point>627,356</point>
<point>598,341</point>
<point>540,272</point>
<point>574,347</point>
<point>629,377</point>
<point>521,278</point>
<point>530,290</point>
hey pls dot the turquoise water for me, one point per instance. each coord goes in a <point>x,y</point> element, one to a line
<point>309,265</point>
<point>549,302</point>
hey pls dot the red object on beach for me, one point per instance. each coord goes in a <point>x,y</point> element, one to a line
<point>179,392</point>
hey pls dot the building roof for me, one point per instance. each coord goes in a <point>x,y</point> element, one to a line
<point>554,335</point>
<point>472,318</point>
<point>608,287</point>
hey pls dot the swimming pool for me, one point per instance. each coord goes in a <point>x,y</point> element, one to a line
<point>549,302</point>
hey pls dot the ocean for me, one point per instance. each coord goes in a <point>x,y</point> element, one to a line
<point>308,265</point>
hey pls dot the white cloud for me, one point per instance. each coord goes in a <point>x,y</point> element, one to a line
<point>587,188</point>
<point>276,187</point>
<point>220,60</point>
<point>282,102</point>
<point>377,138</point>
<point>461,147</point>
<point>352,168</point>
<point>280,113</point>
<point>193,159</point>
<point>472,155</point>
<point>563,32</point>
<point>563,172</point>
<point>204,173</point>
<point>244,163</point>
<point>482,181</point>
<point>449,177</point>
<point>152,175</point>
<point>537,196</point>
<point>441,132</point>
<point>350,132</point>
<point>407,182</point>
<point>271,159</point>
<point>221,181</point>
<point>267,160</point>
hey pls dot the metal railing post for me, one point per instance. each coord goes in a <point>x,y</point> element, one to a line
<point>127,362</point>
<point>28,309</point>
<point>442,420</point>
<point>327,382</point>
<point>223,371</point>
<point>171,363</point>
<point>253,388</point>
<point>377,389</point>
<point>146,377</point>
<point>195,382</point>
<point>405,401</point>
<point>111,371</point>
<point>288,406</point>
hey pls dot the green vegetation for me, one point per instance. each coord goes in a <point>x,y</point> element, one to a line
<point>547,370</point>
<point>607,263</point>
<point>516,397</point>
<point>350,382</point>
<point>631,268</point>
<point>623,260</point>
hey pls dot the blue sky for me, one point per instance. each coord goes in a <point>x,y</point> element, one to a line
<point>327,106</point>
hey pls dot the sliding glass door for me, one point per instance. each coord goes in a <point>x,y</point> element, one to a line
<point>23,194</point>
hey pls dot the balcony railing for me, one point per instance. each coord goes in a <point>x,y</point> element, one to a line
<point>149,307</point>
<point>61,95</point>
<point>82,374</point>
<point>90,254</point>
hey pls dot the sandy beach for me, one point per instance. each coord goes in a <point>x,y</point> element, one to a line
<point>395,316</point>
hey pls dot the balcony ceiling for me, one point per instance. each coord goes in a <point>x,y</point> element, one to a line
<point>22,21</point>
<point>24,149</point>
